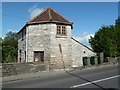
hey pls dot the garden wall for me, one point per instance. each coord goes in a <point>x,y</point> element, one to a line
<point>11,69</point>
<point>113,60</point>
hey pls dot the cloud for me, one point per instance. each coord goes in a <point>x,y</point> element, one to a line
<point>14,31</point>
<point>34,11</point>
<point>83,38</point>
<point>10,30</point>
<point>3,37</point>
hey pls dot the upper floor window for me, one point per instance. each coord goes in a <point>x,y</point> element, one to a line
<point>61,30</point>
<point>23,33</point>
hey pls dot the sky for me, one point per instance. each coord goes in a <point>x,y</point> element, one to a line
<point>88,17</point>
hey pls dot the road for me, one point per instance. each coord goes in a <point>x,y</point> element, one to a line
<point>100,77</point>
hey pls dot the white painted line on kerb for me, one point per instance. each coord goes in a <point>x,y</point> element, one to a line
<point>95,81</point>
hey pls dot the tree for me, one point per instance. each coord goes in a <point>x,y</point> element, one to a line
<point>117,22</point>
<point>105,40</point>
<point>10,47</point>
<point>1,43</point>
<point>1,48</point>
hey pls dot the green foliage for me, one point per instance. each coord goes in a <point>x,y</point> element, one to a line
<point>10,47</point>
<point>107,40</point>
<point>1,49</point>
<point>1,43</point>
<point>117,22</point>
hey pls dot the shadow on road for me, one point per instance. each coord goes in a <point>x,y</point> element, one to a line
<point>90,81</point>
<point>85,80</point>
<point>79,76</point>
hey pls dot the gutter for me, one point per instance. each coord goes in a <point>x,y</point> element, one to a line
<point>44,22</point>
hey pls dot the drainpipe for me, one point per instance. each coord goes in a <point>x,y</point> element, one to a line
<point>61,55</point>
<point>26,43</point>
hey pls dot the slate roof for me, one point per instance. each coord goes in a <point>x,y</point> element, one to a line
<point>82,44</point>
<point>49,15</point>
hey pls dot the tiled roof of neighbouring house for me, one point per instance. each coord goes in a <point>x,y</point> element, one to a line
<point>49,15</point>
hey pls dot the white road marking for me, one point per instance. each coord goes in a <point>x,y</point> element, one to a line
<point>95,81</point>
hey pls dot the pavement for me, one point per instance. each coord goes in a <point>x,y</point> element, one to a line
<point>30,75</point>
<point>45,73</point>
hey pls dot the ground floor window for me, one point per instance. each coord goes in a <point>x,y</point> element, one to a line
<point>38,56</point>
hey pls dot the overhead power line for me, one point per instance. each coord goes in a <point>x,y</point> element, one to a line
<point>14,16</point>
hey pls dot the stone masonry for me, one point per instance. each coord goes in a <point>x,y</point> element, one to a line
<point>60,51</point>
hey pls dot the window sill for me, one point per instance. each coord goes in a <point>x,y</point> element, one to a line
<point>61,36</point>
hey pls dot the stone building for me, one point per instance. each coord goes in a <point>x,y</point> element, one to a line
<point>47,39</point>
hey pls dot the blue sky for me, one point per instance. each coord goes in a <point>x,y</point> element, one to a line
<point>87,17</point>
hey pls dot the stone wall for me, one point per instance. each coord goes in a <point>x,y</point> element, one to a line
<point>38,39</point>
<point>113,60</point>
<point>43,37</point>
<point>0,69</point>
<point>11,69</point>
<point>60,49</point>
<point>22,45</point>
<point>78,52</point>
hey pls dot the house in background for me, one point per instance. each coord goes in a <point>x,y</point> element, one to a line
<point>47,39</point>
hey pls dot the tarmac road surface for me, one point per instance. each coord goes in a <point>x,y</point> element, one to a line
<point>100,77</point>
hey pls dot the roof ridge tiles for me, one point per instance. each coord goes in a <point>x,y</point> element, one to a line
<point>50,14</point>
<point>37,16</point>
<point>62,16</point>
<point>47,15</point>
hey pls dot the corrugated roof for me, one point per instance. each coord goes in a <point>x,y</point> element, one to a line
<point>49,15</point>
